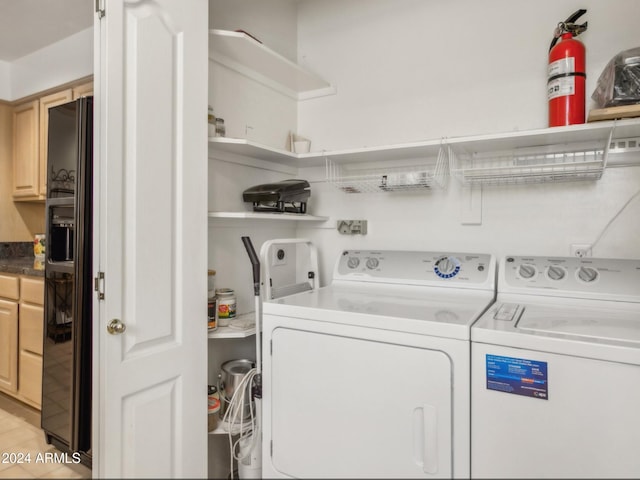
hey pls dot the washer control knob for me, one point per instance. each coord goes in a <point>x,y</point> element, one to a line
<point>555,273</point>
<point>587,274</point>
<point>527,271</point>
<point>353,262</point>
<point>372,263</point>
<point>447,267</point>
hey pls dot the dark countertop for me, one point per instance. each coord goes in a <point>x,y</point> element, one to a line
<point>22,266</point>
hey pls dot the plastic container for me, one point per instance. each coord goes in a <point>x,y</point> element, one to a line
<point>213,416</point>
<point>226,306</point>
<point>212,304</point>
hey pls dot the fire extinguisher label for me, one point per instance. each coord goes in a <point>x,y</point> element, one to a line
<point>562,66</point>
<point>561,87</point>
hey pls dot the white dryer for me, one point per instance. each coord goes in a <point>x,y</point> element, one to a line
<point>556,371</point>
<point>369,376</point>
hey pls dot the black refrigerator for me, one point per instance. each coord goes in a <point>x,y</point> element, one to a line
<point>66,360</point>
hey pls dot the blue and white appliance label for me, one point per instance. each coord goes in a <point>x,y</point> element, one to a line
<point>518,376</point>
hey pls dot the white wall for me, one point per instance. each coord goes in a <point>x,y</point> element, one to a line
<point>61,62</point>
<point>409,70</point>
<point>5,80</point>
<point>251,110</point>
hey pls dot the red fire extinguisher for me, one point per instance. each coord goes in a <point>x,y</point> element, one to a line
<point>567,74</point>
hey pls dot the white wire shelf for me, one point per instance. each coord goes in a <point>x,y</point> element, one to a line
<point>410,178</point>
<point>528,166</point>
<point>528,169</point>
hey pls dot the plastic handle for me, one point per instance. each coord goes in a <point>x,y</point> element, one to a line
<point>425,438</point>
<point>255,262</point>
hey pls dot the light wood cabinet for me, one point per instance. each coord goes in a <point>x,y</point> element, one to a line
<point>47,102</point>
<point>83,90</point>
<point>9,288</point>
<point>21,335</point>
<point>30,137</point>
<point>26,150</point>
<point>31,326</point>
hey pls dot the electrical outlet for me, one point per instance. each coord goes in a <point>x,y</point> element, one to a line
<point>580,249</point>
<point>352,227</point>
<point>278,256</point>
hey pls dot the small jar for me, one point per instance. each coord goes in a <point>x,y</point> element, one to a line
<point>213,397</point>
<point>212,307</point>
<point>226,309</point>
<point>212,303</point>
<point>213,414</point>
<point>211,122</point>
<point>220,128</point>
<point>211,283</point>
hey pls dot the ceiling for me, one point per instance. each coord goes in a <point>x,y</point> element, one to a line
<point>29,25</point>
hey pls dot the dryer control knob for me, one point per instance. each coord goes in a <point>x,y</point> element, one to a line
<point>587,274</point>
<point>555,273</point>
<point>353,262</point>
<point>447,267</point>
<point>372,263</point>
<point>527,271</point>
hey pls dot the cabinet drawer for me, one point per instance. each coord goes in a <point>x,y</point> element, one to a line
<point>9,287</point>
<point>31,327</point>
<point>30,380</point>
<point>32,290</point>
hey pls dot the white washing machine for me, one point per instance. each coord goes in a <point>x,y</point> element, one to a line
<point>369,376</point>
<point>556,371</point>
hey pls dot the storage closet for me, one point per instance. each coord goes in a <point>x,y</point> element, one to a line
<point>434,134</point>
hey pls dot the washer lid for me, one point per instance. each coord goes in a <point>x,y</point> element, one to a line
<point>582,323</point>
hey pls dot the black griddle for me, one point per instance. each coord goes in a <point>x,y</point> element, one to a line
<point>286,196</point>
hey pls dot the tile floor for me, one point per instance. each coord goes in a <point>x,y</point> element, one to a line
<point>20,435</point>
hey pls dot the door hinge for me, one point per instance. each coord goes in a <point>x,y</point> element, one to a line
<point>100,8</point>
<point>98,285</point>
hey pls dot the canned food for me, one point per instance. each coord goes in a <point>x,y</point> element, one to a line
<point>212,322</point>
<point>226,309</point>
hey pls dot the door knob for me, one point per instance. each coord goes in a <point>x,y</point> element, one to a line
<point>116,327</point>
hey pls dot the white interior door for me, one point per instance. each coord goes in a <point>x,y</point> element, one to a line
<point>151,194</point>
<point>344,407</point>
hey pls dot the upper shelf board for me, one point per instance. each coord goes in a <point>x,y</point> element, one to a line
<point>244,54</point>
<point>269,216</point>
<point>573,134</point>
<point>554,136</point>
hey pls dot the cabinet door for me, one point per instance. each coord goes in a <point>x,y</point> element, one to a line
<point>25,151</point>
<point>47,102</point>
<point>8,345</point>
<point>83,90</point>
<point>30,381</point>
<point>31,326</point>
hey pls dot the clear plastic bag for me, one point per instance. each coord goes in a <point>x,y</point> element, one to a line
<point>619,82</point>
